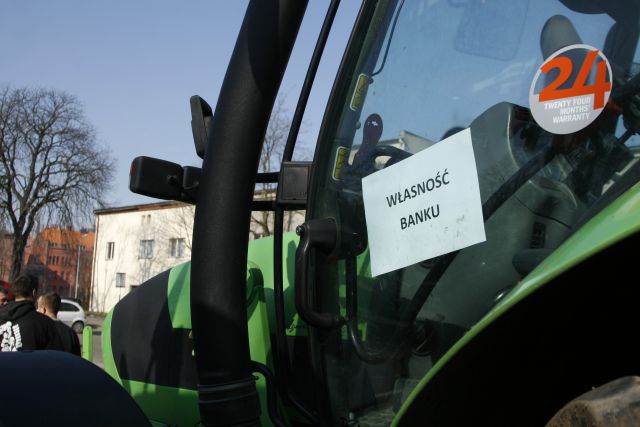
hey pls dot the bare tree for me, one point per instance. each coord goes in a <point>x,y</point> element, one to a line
<point>51,165</point>
<point>180,225</point>
<point>272,150</point>
<point>4,252</point>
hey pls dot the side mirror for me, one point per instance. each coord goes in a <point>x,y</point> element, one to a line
<point>164,180</point>
<point>201,117</point>
<point>156,178</point>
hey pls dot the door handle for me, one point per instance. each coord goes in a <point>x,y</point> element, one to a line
<point>322,235</point>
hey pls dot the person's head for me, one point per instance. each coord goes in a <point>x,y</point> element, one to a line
<point>25,287</point>
<point>49,304</point>
<point>4,296</point>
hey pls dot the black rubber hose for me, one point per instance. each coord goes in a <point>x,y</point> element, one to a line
<point>226,388</point>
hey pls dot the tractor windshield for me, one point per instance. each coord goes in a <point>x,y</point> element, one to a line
<point>418,72</point>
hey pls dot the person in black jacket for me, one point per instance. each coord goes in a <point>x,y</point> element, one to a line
<point>49,305</point>
<point>21,326</point>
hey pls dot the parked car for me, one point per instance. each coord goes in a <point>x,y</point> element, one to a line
<point>72,314</point>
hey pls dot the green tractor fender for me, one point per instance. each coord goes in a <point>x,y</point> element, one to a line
<point>567,327</point>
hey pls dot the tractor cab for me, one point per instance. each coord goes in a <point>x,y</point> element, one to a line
<point>474,186</point>
<point>441,73</point>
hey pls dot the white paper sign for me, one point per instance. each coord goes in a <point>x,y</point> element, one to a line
<point>425,206</point>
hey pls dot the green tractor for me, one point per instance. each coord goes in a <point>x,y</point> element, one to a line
<point>472,216</point>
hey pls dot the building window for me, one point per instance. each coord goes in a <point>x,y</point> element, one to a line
<point>176,247</point>
<point>146,249</point>
<point>121,278</point>
<point>111,249</point>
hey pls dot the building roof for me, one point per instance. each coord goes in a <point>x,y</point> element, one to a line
<point>62,236</point>
<point>258,195</point>
<point>141,207</point>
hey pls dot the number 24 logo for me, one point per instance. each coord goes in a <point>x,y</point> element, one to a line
<point>599,87</point>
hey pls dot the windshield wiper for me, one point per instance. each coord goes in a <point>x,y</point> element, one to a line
<point>386,51</point>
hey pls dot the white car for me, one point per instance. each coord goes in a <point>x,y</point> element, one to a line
<point>72,314</point>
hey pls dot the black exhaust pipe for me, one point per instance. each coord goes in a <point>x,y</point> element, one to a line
<point>226,388</point>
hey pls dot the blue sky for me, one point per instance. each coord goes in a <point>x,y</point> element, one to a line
<point>134,65</point>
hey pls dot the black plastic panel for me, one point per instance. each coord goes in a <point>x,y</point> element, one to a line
<point>292,189</point>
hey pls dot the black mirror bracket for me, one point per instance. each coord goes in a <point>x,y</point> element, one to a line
<point>292,185</point>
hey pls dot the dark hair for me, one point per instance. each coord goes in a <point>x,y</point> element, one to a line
<point>5,292</point>
<point>24,285</point>
<point>51,301</point>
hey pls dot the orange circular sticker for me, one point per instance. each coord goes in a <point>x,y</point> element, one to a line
<point>570,89</point>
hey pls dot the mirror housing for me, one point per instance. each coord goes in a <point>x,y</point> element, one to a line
<point>164,180</point>
<point>201,117</point>
<point>156,178</point>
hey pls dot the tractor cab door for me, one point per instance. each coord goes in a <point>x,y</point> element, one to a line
<point>543,93</point>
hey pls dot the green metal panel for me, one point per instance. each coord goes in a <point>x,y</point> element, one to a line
<point>260,303</point>
<point>169,405</point>
<point>107,352</point>
<point>179,296</point>
<point>618,220</point>
<point>179,406</point>
<point>261,254</point>
<point>260,344</point>
<point>87,343</point>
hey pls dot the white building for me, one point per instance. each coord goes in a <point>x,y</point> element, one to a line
<point>135,243</point>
